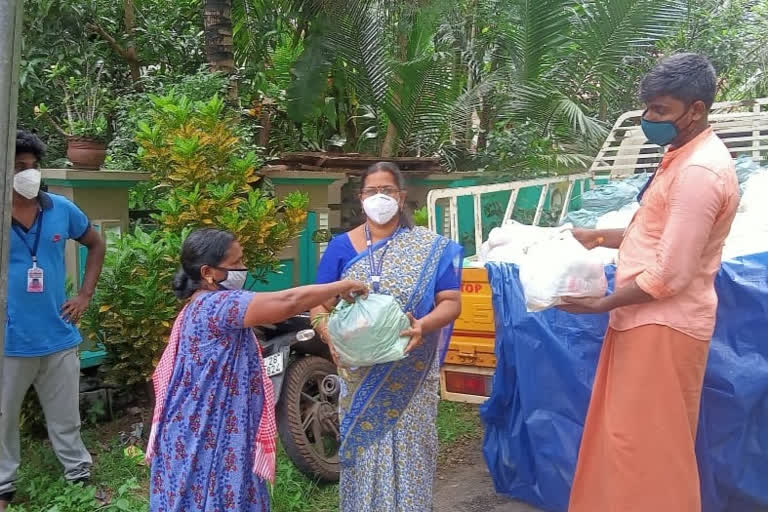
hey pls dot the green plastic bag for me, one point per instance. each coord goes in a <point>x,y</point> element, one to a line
<point>367,332</point>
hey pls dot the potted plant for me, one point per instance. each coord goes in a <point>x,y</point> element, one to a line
<point>83,118</point>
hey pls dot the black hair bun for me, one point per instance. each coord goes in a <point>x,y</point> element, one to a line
<point>183,286</point>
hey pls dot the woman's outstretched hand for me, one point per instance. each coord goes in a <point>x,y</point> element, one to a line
<point>415,332</point>
<point>351,290</point>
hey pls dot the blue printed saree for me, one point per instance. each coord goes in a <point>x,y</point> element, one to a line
<point>389,446</point>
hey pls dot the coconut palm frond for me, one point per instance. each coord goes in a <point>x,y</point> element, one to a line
<point>610,34</point>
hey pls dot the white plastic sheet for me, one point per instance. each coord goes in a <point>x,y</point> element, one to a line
<point>618,219</point>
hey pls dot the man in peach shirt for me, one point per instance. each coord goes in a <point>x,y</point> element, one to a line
<point>637,452</point>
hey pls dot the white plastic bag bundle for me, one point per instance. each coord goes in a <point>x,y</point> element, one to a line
<point>367,332</point>
<point>510,242</point>
<point>749,235</point>
<point>560,267</point>
<point>754,199</point>
<point>749,231</point>
<point>619,219</point>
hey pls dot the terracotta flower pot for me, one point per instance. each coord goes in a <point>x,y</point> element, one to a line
<point>85,153</point>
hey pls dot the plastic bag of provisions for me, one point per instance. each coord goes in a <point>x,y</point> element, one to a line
<point>510,242</point>
<point>367,332</point>
<point>560,267</point>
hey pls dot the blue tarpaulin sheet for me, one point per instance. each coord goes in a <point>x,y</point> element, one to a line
<point>546,363</point>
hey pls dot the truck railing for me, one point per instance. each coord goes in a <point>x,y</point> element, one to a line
<point>742,126</point>
<point>450,196</point>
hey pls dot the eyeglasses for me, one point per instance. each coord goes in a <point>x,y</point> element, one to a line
<point>372,191</point>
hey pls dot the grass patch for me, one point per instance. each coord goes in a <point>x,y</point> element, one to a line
<point>294,492</point>
<point>125,481</point>
<point>42,487</point>
<point>457,422</point>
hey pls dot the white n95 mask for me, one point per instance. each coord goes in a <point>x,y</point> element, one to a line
<point>381,208</point>
<point>235,280</point>
<point>27,183</point>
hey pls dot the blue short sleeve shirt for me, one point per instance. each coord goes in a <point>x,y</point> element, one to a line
<point>34,326</point>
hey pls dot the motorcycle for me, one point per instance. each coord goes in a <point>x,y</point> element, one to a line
<point>306,395</point>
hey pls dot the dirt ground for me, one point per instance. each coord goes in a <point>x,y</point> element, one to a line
<point>464,484</point>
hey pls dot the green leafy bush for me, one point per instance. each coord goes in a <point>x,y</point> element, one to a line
<point>206,176</point>
<point>134,306</point>
<point>421,217</point>
<point>85,103</point>
<point>130,109</point>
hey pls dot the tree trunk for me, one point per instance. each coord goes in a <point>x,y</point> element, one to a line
<point>486,123</point>
<point>487,114</point>
<point>129,17</point>
<point>390,141</point>
<point>389,146</point>
<point>127,52</point>
<point>219,46</point>
<point>470,75</point>
<point>265,122</point>
<point>488,111</point>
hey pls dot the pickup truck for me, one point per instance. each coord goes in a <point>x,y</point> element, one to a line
<point>470,361</point>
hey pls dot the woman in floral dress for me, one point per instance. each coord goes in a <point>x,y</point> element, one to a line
<point>212,445</point>
<point>388,447</point>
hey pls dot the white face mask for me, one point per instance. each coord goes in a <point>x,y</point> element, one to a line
<point>27,183</point>
<point>381,208</point>
<point>235,280</point>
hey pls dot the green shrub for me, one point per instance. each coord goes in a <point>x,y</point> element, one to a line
<point>206,176</point>
<point>421,217</point>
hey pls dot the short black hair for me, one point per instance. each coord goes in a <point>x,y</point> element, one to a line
<point>688,77</point>
<point>28,142</point>
<point>206,246</point>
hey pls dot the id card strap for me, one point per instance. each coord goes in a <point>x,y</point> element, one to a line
<point>373,270</point>
<point>39,228</point>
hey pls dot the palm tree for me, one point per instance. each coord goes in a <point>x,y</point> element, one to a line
<point>562,60</point>
<point>397,83</point>
<point>219,48</point>
<point>433,76</point>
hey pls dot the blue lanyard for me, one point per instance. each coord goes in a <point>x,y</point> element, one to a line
<point>36,243</point>
<point>374,271</point>
<point>645,187</point>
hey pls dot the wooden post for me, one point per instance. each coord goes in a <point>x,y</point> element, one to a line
<point>10,47</point>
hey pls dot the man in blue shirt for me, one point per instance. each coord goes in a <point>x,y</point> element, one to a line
<point>41,338</point>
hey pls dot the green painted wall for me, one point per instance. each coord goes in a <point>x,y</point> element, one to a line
<point>275,281</point>
<point>308,252</point>
<point>302,271</point>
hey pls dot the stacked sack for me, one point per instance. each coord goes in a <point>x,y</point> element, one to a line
<point>749,231</point>
<point>607,198</point>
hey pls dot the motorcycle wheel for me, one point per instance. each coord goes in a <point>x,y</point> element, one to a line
<point>308,419</point>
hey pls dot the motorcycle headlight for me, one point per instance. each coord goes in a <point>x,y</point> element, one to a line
<point>305,335</point>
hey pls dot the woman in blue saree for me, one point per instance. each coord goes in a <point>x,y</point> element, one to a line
<point>388,449</point>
